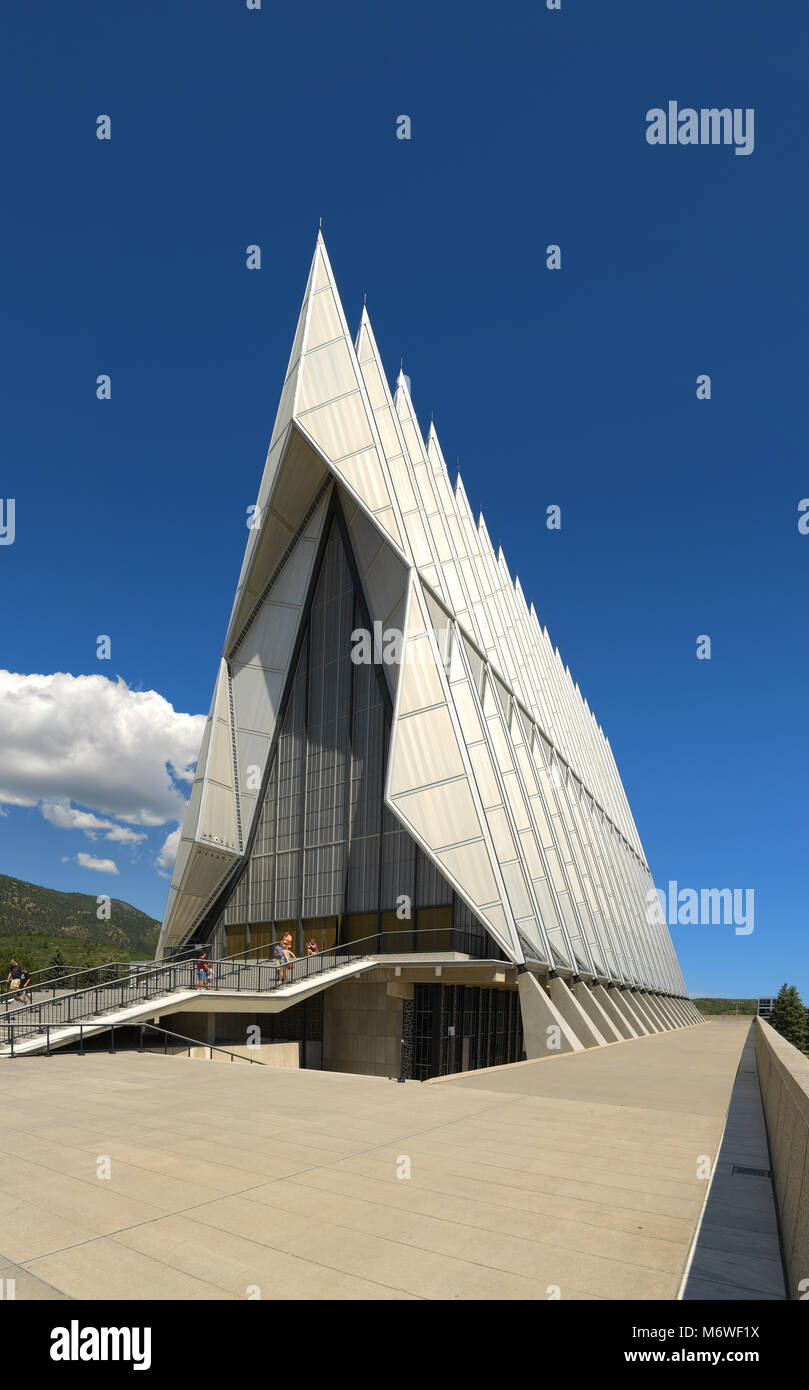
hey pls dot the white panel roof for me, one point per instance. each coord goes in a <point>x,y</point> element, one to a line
<point>546,849</point>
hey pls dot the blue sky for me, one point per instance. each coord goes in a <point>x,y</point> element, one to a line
<point>578,387</point>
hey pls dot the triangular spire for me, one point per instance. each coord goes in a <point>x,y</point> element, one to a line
<point>328,401</point>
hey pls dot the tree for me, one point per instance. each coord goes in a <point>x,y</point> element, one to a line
<point>57,967</point>
<point>789,1017</point>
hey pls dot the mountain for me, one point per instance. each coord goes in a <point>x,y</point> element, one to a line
<point>37,922</point>
<point>726,1006</point>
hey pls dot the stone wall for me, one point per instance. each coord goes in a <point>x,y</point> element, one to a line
<point>362,1029</point>
<point>784,1078</point>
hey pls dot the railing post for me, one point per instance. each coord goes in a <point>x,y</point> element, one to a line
<point>81,1039</point>
<point>48,1039</point>
<point>112,1039</point>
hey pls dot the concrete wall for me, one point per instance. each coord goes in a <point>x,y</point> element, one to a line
<point>362,1029</point>
<point>784,1078</point>
<point>199,1026</point>
<point>279,1054</point>
<point>226,1029</point>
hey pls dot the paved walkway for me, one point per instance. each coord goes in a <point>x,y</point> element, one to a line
<point>574,1177</point>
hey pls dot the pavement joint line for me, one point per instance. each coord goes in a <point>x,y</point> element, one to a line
<point>138,1167</point>
<point>112,1236</point>
<point>317,1264</point>
<point>13,1264</point>
<point>513,1187</point>
<point>590,1174</point>
<point>187,1212</point>
<point>196,1206</point>
<point>594,1181</point>
<point>391,1240</point>
<point>369,1149</point>
<point>443,1192</point>
<point>486,1230</point>
<point>377,1109</point>
<point>51,1253</point>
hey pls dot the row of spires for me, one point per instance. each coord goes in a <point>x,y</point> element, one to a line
<point>565,717</point>
<point>597,741</point>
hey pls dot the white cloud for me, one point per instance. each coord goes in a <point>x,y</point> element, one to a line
<point>168,853</point>
<point>68,817</point>
<point>122,836</point>
<point>102,866</point>
<point>93,741</point>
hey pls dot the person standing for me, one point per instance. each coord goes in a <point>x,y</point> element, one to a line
<point>289,955</point>
<point>25,982</point>
<point>279,956</point>
<point>14,976</point>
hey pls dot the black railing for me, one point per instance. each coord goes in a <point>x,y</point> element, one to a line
<point>405,941</point>
<point>142,1028</point>
<point>253,977</point>
<point>44,981</point>
<point>239,973</point>
<point>167,1033</point>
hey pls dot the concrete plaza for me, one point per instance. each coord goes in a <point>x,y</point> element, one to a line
<point>579,1173</point>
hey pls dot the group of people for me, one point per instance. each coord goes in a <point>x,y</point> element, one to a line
<point>204,978</point>
<point>282,954</point>
<point>19,981</point>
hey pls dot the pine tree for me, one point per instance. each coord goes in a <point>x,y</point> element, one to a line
<point>57,967</point>
<point>789,1017</point>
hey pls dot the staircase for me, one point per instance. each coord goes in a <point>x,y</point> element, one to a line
<point>143,993</point>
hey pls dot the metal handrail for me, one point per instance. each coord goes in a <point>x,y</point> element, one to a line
<point>120,968</point>
<point>32,1020</point>
<point>251,951</point>
<point>169,1033</point>
<point>195,1042</point>
<point>251,975</point>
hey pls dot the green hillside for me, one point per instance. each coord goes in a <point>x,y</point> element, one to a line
<point>726,1006</point>
<point>37,922</point>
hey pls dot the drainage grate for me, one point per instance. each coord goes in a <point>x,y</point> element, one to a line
<point>751,1172</point>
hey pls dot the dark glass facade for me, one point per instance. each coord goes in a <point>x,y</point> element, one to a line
<point>328,860</point>
<point>463,1028</point>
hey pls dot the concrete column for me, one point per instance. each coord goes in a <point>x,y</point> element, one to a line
<point>625,999</point>
<point>671,1005</point>
<point>596,1012</point>
<point>664,1005</point>
<point>698,1018</point>
<point>618,1017</point>
<point>639,1005</point>
<point>572,1012</point>
<point>685,1012</point>
<point>539,1013</point>
<point>653,1005</point>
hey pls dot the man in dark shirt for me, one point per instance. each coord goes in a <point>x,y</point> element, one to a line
<point>14,976</point>
<point>25,982</point>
